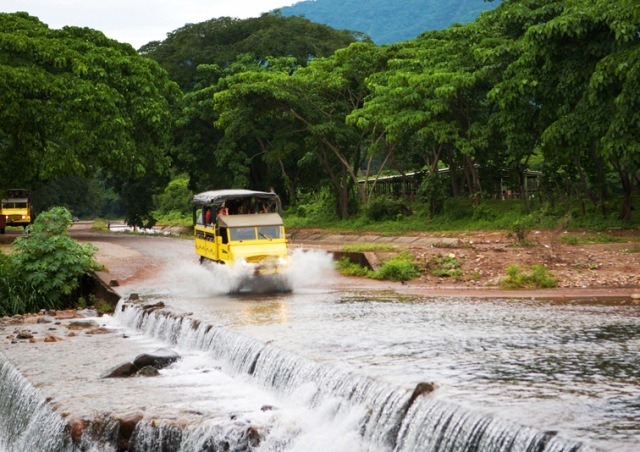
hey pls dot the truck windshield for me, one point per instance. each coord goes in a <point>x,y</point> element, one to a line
<point>242,233</point>
<point>14,205</point>
<point>269,232</point>
<point>259,233</point>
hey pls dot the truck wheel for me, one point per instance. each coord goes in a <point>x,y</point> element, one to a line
<point>1,230</point>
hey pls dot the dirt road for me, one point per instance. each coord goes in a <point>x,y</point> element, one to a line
<point>609,270</point>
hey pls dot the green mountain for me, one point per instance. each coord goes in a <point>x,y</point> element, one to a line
<point>388,21</point>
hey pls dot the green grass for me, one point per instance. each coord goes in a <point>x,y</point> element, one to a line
<point>401,267</point>
<point>539,278</point>
<point>460,215</point>
<point>591,239</point>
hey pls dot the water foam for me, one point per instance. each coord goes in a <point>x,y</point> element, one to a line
<point>308,269</point>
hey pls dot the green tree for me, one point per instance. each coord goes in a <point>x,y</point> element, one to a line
<point>573,91</point>
<point>435,91</point>
<point>73,102</point>
<point>308,106</point>
<point>220,41</point>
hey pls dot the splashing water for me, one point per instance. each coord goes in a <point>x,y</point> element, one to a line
<point>308,269</point>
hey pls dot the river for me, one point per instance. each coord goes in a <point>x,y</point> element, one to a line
<point>324,368</point>
<point>570,367</point>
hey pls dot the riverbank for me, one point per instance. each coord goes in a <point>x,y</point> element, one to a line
<point>596,266</point>
<point>589,269</point>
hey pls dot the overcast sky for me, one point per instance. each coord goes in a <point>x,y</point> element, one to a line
<point>137,21</point>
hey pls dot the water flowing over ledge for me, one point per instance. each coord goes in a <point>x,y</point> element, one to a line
<point>27,421</point>
<point>317,406</point>
<point>390,418</point>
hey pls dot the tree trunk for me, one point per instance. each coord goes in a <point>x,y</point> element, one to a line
<point>473,180</point>
<point>627,190</point>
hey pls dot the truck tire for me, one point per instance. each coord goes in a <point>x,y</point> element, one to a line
<point>1,230</point>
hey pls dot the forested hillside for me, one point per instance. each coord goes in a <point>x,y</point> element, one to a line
<point>390,21</point>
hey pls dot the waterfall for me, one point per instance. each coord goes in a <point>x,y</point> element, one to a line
<point>27,421</point>
<point>390,418</point>
<point>434,425</point>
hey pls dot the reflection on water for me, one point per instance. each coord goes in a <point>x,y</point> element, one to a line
<point>268,310</point>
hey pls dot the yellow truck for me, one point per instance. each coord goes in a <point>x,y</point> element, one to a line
<point>240,228</point>
<point>15,209</point>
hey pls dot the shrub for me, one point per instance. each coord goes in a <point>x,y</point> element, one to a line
<point>432,191</point>
<point>176,197</point>
<point>539,278</point>
<point>520,230</point>
<point>456,209</point>
<point>16,295</point>
<point>50,261</point>
<point>320,206</point>
<point>348,268</point>
<point>483,212</point>
<point>399,268</point>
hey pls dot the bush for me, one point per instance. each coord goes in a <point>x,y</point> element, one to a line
<point>50,262</point>
<point>539,278</point>
<point>348,268</point>
<point>432,191</point>
<point>383,208</point>
<point>16,295</point>
<point>483,212</point>
<point>176,197</point>
<point>316,206</point>
<point>456,209</point>
<point>399,268</point>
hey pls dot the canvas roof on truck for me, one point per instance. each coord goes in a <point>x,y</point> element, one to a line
<point>217,197</point>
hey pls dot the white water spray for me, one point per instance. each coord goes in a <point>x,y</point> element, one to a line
<point>308,269</point>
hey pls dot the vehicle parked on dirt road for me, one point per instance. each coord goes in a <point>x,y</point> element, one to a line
<point>240,228</point>
<point>15,209</point>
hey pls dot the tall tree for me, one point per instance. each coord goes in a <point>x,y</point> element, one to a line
<point>577,75</point>
<point>73,102</point>
<point>314,102</point>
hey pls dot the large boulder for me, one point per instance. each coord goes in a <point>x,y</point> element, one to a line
<point>120,371</point>
<point>159,358</point>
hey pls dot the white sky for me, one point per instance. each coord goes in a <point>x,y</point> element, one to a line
<point>137,21</point>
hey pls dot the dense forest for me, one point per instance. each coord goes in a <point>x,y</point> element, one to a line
<point>282,102</point>
<point>388,22</point>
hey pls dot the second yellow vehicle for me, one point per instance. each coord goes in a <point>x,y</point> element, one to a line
<point>15,209</point>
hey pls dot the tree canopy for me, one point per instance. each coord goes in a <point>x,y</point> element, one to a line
<point>73,102</point>
<point>220,41</point>
<point>281,102</point>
